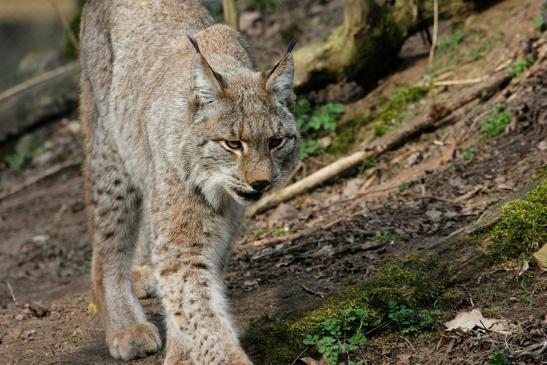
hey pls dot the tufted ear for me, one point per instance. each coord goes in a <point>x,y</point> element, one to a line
<point>207,85</point>
<point>279,80</point>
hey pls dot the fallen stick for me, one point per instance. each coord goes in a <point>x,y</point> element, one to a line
<point>388,143</point>
<point>53,170</point>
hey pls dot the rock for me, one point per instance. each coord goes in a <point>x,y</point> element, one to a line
<point>40,239</point>
<point>283,213</point>
<point>541,257</point>
<point>434,215</point>
<point>542,146</point>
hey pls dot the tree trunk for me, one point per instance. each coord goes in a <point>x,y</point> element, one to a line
<point>365,46</point>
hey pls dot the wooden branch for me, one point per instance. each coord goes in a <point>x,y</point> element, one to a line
<point>435,31</point>
<point>231,16</point>
<point>53,170</point>
<point>51,94</point>
<point>391,142</point>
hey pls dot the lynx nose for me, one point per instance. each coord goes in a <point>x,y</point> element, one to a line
<point>261,185</point>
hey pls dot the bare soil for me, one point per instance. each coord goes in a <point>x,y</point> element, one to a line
<point>409,200</point>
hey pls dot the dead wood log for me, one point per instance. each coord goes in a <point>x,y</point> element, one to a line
<point>365,46</point>
<point>52,94</point>
<point>411,130</point>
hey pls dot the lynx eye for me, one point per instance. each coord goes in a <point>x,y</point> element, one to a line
<point>275,142</point>
<point>233,145</point>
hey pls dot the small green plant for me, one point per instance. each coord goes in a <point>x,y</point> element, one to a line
<point>309,147</point>
<point>278,231</point>
<point>498,358</point>
<point>403,187</point>
<point>495,123</point>
<point>25,149</point>
<point>387,236</point>
<point>159,354</point>
<point>539,22</point>
<point>451,40</point>
<point>469,153</point>
<point>381,129</point>
<point>314,123</point>
<point>322,119</point>
<point>520,66</point>
<point>258,232</point>
<point>366,164</point>
<point>409,320</point>
<point>342,335</point>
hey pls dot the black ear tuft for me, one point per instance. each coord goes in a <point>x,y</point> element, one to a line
<point>194,43</point>
<point>291,45</point>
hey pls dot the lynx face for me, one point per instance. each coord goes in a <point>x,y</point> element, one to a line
<point>244,136</point>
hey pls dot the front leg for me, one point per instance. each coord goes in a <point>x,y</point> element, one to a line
<point>191,239</point>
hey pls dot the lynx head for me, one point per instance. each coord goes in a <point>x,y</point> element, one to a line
<point>246,138</point>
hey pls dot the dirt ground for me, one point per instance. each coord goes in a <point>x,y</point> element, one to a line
<point>320,242</point>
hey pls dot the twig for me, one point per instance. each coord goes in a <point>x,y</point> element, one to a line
<point>476,80</point>
<point>435,31</point>
<point>433,197</point>
<point>12,294</point>
<point>53,170</point>
<point>470,297</point>
<point>319,294</point>
<point>408,342</point>
<point>300,354</point>
<point>299,165</point>
<point>64,22</point>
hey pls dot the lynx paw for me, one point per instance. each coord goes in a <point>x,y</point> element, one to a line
<point>143,281</point>
<point>135,341</point>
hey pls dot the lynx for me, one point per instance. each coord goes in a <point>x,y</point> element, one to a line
<point>180,133</point>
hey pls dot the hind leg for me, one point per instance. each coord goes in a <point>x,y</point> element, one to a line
<point>114,217</point>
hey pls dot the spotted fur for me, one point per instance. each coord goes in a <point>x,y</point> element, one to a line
<point>178,138</point>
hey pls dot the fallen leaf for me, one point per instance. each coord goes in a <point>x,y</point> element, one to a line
<point>541,257</point>
<point>91,309</point>
<point>467,321</point>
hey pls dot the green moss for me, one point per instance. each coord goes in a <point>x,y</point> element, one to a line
<point>539,194</point>
<point>398,108</point>
<point>397,104</point>
<point>413,281</point>
<point>521,227</point>
<point>347,135</point>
